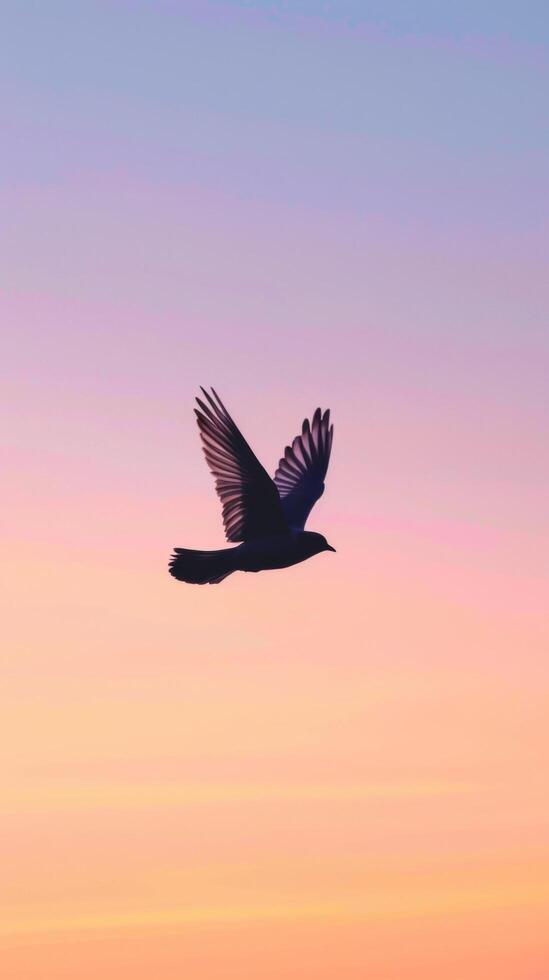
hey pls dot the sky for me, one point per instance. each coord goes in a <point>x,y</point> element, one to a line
<point>339,769</point>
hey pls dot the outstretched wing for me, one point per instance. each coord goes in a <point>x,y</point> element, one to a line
<point>302,469</point>
<point>251,503</point>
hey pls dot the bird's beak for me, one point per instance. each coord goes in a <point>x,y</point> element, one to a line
<point>330,548</point>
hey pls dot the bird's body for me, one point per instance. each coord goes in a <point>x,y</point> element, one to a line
<point>266,516</point>
<point>281,550</point>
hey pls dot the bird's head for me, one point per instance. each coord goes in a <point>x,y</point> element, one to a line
<point>319,542</point>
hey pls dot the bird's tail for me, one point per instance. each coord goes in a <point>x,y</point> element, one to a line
<point>200,567</point>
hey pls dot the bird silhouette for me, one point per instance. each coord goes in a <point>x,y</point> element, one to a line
<point>267,516</point>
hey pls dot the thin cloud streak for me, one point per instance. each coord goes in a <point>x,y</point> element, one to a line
<point>377,906</point>
<point>105,794</point>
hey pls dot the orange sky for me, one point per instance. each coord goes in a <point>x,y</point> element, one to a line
<point>338,770</point>
<point>198,782</point>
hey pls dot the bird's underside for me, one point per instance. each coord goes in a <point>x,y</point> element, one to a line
<point>265,518</point>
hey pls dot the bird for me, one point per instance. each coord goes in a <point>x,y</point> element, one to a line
<point>263,517</point>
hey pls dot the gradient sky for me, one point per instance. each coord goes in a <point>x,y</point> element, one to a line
<point>338,770</point>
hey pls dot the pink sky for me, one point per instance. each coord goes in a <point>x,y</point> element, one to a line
<point>337,770</point>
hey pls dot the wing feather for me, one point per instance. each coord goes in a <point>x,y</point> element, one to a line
<point>302,470</point>
<point>251,502</point>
